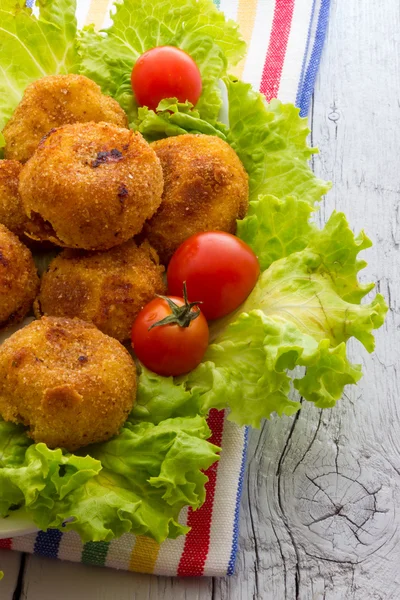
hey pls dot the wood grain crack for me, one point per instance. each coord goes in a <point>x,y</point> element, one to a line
<point>283,559</point>
<point>17,595</point>
<point>297,576</point>
<point>310,444</point>
<point>255,541</point>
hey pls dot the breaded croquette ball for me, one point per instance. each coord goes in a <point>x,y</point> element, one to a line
<point>205,188</point>
<point>19,283</point>
<point>54,101</point>
<point>70,384</point>
<point>12,214</point>
<point>107,288</point>
<point>91,186</point>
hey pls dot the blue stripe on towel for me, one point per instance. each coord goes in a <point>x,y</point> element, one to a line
<point>47,543</point>
<point>309,74</point>
<point>235,540</point>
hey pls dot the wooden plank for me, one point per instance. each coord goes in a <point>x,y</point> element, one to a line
<point>49,579</point>
<point>10,564</point>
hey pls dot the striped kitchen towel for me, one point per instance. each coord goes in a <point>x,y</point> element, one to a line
<point>285,40</point>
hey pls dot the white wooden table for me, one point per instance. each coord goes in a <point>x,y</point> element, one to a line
<point>321,508</point>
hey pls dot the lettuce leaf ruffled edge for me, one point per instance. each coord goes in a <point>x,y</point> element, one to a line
<point>137,482</point>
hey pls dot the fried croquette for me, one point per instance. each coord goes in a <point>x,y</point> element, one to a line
<point>54,101</point>
<point>19,283</point>
<point>107,288</point>
<point>70,384</point>
<point>12,214</point>
<point>205,188</point>
<point>91,186</point>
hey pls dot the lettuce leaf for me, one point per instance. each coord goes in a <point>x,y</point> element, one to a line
<point>137,482</point>
<point>160,398</point>
<point>271,141</point>
<point>196,26</point>
<point>32,474</point>
<point>174,118</point>
<point>32,47</point>
<point>275,228</point>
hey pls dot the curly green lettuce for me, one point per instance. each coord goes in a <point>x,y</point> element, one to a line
<point>195,26</point>
<point>32,47</point>
<point>174,118</point>
<point>160,398</point>
<point>271,141</point>
<point>275,228</point>
<point>137,482</point>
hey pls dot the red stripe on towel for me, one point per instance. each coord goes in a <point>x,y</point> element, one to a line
<point>275,58</point>
<point>197,541</point>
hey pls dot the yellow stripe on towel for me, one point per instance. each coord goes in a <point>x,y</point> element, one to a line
<point>246,16</point>
<point>144,555</point>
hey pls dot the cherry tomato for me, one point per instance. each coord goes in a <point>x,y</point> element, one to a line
<point>170,341</point>
<point>219,270</point>
<point>165,72</point>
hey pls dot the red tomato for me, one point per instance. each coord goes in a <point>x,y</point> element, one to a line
<point>165,72</point>
<point>219,269</point>
<point>170,349</point>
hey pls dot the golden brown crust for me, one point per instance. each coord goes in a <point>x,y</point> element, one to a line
<point>106,288</point>
<point>19,282</point>
<point>68,382</point>
<point>91,186</point>
<point>54,101</point>
<point>205,188</point>
<point>12,214</point>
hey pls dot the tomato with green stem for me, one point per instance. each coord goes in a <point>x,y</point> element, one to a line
<point>170,335</point>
